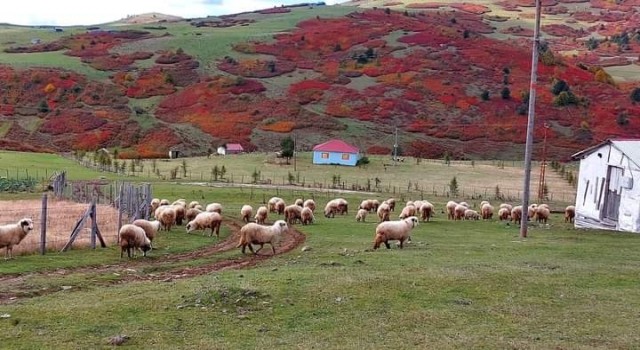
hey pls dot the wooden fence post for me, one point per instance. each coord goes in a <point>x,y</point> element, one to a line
<point>92,215</point>
<point>43,226</point>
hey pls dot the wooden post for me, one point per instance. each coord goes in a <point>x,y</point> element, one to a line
<point>120,199</point>
<point>95,232</point>
<point>92,215</point>
<point>43,226</point>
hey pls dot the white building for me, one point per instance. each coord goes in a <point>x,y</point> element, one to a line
<point>608,195</point>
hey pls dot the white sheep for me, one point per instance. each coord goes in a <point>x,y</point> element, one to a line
<point>451,210</point>
<point>459,212</point>
<point>246,212</point>
<point>361,215</point>
<point>155,203</point>
<point>409,210</point>
<point>309,203</point>
<point>506,205</point>
<point>292,213</point>
<point>426,211</point>
<point>331,209</point>
<point>392,203</point>
<point>394,230</point>
<point>307,216</point>
<point>13,234</point>
<point>253,233</point>
<point>299,202</point>
<point>166,214</point>
<point>193,204</point>
<point>272,204</point>
<point>191,213</point>
<point>280,206</point>
<point>180,212</point>
<point>487,211</point>
<point>471,214</point>
<point>516,214</point>
<point>261,215</point>
<point>214,207</point>
<point>569,213</point>
<point>206,220</point>
<point>343,206</point>
<point>150,228</point>
<point>132,238</point>
<point>504,214</point>
<point>542,214</point>
<point>164,202</point>
<point>383,212</point>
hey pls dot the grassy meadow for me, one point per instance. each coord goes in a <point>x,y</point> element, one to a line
<point>469,284</point>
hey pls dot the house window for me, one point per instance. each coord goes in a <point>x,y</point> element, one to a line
<point>345,156</point>
<point>324,155</point>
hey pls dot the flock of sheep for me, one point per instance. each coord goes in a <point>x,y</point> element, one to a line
<point>139,235</point>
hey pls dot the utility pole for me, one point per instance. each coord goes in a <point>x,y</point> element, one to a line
<point>530,124</point>
<point>395,148</point>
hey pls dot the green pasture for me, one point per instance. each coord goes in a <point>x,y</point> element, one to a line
<point>457,285</point>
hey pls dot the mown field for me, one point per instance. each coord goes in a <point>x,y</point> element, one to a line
<point>457,285</point>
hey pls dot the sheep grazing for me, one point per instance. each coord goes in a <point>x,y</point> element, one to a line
<point>542,214</point>
<point>483,203</point>
<point>214,208</point>
<point>280,206</point>
<point>394,230</point>
<point>516,214</point>
<point>361,215</point>
<point>384,211</point>
<point>167,216</point>
<point>506,205</point>
<point>155,203</point>
<point>191,213</point>
<point>504,214</point>
<point>343,206</point>
<point>451,210</point>
<point>132,238</point>
<point>392,203</point>
<point>459,212</point>
<point>407,211</point>
<point>331,209</point>
<point>309,203</point>
<point>366,204</point>
<point>193,204</point>
<point>253,233</point>
<point>299,202</point>
<point>13,234</point>
<point>271,204</point>
<point>532,211</point>
<point>180,213</point>
<point>150,228</point>
<point>426,211</point>
<point>246,212</point>
<point>465,204</point>
<point>307,216</point>
<point>375,205</point>
<point>261,215</point>
<point>292,213</point>
<point>164,202</point>
<point>569,214</point>
<point>471,214</point>
<point>206,220</point>
<point>181,201</point>
<point>487,211</point>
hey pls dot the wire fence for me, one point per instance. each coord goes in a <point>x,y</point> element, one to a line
<point>61,217</point>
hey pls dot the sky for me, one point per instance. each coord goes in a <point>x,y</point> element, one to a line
<point>87,12</point>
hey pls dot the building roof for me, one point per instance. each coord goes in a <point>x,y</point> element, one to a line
<point>234,147</point>
<point>630,147</point>
<point>336,145</point>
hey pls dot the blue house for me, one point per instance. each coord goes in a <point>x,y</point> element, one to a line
<point>336,152</point>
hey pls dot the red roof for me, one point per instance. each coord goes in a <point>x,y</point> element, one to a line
<point>336,146</point>
<point>234,147</point>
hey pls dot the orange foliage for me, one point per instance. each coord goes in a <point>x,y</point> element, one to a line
<point>283,126</point>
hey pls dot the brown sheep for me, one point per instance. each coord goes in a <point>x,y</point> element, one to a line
<point>426,211</point>
<point>542,214</point>
<point>246,212</point>
<point>192,213</point>
<point>504,214</point>
<point>516,214</point>
<point>261,215</point>
<point>384,210</point>
<point>309,203</point>
<point>292,213</point>
<point>307,216</point>
<point>392,203</point>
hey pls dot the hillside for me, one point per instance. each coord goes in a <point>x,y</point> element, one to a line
<point>451,76</point>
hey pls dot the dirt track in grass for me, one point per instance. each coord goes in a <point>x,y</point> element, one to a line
<point>16,286</point>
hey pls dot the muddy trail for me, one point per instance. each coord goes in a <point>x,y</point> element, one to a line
<point>16,286</point>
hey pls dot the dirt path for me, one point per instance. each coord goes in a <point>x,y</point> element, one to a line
<point>16,286</point>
